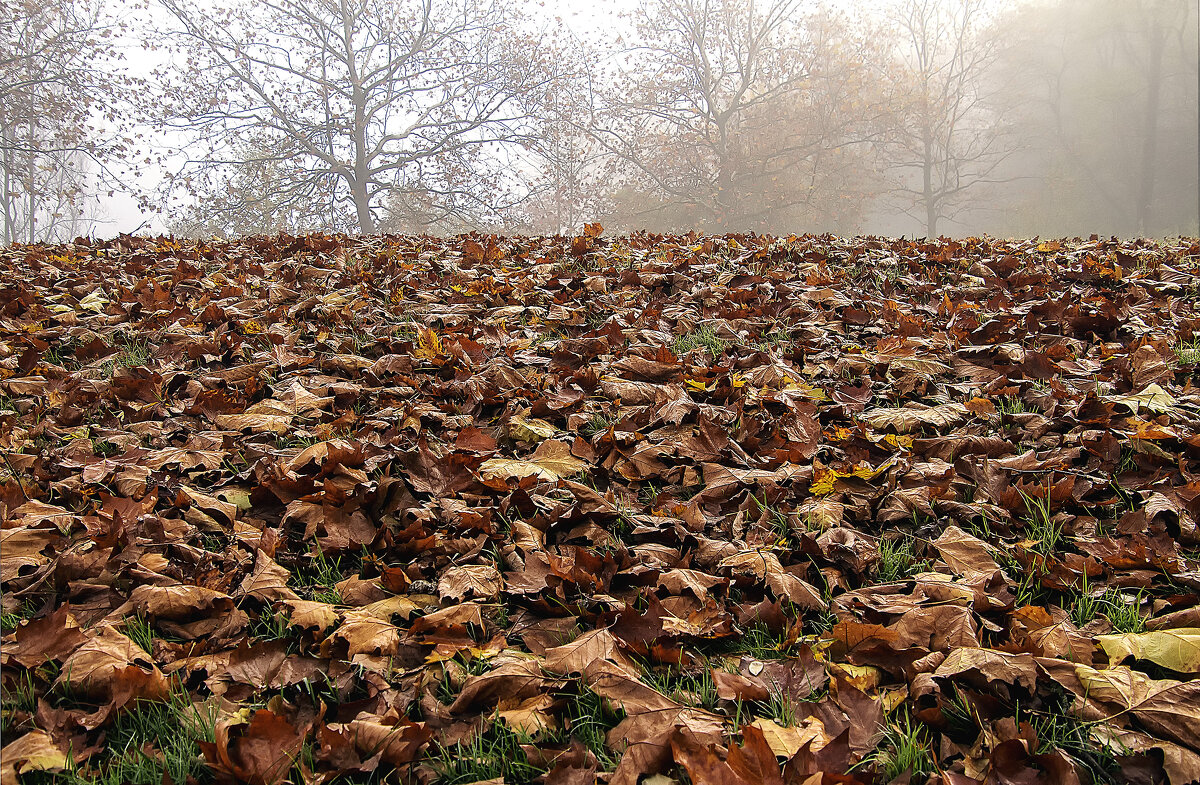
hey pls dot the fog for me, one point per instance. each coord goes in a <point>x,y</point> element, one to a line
<point>896,117</point>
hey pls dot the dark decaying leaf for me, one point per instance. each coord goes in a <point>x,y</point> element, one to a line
<point>740,509</point>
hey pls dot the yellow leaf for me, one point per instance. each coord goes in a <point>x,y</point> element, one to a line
<point>35,751</point>
<point>1153,398</point>
<point>315,615</point>
<point>823,484</point>
<point>95,301</point>
<point>552,461</point>
<point>429,345</point>
<point>1177,649</point>
<point>530,716</point>
<point>530,429</point>
<point>786,741</point>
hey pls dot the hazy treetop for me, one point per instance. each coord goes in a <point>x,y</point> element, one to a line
<point>1054,117</point>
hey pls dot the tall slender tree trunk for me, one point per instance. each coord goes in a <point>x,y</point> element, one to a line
<point>31,214</point>
<point>10,229</point>
<point>927,191</point>
<point>1150,125</point>
<point>362,166</point>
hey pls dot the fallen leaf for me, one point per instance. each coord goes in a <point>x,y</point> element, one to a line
<point>1178,649</point>
<point>34,751</point>
<point>548,463</point>
<point>482,581</point>
<point>786,741</point>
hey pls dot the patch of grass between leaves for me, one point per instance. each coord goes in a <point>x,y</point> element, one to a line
<point>150,743</point>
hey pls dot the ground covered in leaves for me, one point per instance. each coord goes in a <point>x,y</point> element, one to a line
<point>664,509</point>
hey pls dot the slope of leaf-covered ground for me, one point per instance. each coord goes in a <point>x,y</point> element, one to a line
<point>572,510</point>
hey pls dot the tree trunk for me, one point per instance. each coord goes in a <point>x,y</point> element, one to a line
<point>1150,127</point>
<point>10,229</point>
<point>927,193</point>
<point>362,207</point>
<point>31,214</point>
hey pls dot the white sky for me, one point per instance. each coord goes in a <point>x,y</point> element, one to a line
<point>121,213</point>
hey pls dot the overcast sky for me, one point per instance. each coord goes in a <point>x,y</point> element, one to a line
<point>586,18</point>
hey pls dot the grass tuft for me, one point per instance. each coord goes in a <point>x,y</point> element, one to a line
<point>690,687</point>
<point>589,718</point>
<point>1188,352</point>
<point>1041,527</point>
<point>139,630</point>
<point>703,337</point>
<point>898,559</point>
<point>903,748</point>
<point>1011,405</point>
<point>151,743</point>
<point>321,576</point>
<point>494,754</point>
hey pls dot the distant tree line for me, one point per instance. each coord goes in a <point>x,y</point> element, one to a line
<point>922,117</point>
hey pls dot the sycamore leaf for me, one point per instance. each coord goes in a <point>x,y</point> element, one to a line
<point>531,716</point>
<point>926,365</point>
<point>94,301</point>
<point>255,423</point>
<point>1182,766</point>
<point>530,429</point>
<point>475,580</point>
<point>1177,649</point>
<point>1166,708</point>
<point>965,554</point>
<point>590,647</point>
<point>109,664</point>
<point>1152,399</point>
<point>429,345</point>
<point>318,616</point>
<point>34,751</point>
<point>398,744</point>
<point>552,461</point>
<point>913,417</point>
<point>786,741</point>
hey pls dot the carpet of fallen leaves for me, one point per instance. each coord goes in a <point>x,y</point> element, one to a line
<point>664,509</point>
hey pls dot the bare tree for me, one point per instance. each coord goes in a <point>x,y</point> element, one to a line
<point>1109,106</point>
<point>1157,21</point>
<point>355,104</point>
<point>954,137</point>
<point>574,174</point>
<point>247,197</point>
<point>60,99</point>
<point>735,113</point>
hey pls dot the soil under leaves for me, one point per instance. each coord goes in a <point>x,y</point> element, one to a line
<point>712,509</point>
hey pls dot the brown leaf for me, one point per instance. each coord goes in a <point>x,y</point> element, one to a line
<point>34,751</point>
<point>396,744</point>
<point>261,751</point>
<point>512,679</point>
<point>178,603</point>
<point>109,666</point>
<point>588,648</point>
<point>530,716</point>
<point>482,581</point>
<point>987,666</point>
<point>551,461</point>
<point>965,554</point>
<point>1166,708</point>
<point>51,637</point>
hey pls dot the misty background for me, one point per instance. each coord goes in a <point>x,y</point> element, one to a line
<point>916,117</point>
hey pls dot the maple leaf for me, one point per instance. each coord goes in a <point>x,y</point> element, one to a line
<point>321,485</point>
